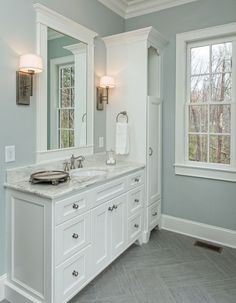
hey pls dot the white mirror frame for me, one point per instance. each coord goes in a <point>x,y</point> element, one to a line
<point>46,18</point>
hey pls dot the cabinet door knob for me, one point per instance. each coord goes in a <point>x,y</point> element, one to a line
<point>136,225</point>
<point>75,236</point>
<point>115,206</point>
<point>75,206</point>
<point>75,273</point>
<point>110,208</point>
<point>154,214</point>
<point>136,200</point>
<point>136,180</point>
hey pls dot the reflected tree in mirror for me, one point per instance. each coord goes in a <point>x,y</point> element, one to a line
<point>67,91</point>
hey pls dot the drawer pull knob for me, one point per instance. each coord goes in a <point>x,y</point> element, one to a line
<point>110,208</point>
<point>136,180</point>
<point>136,225</point>
<point>75,236</point>
<point>115,206</point>
<point>154,214</point>
<point>136,200</point>
<point>75,273</point>
<point>75,206</point>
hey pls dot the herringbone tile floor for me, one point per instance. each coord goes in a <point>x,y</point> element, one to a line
<point>169,269</point>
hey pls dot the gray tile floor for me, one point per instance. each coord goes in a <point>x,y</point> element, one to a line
<point>169,269</point>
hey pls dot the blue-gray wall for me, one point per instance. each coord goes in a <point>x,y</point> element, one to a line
<point>17,36</point>
<point>206,201</point>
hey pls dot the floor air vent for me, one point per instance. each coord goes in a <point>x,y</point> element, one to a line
<point>209,246</point>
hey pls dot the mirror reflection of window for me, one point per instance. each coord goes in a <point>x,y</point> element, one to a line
<point>67,75</point>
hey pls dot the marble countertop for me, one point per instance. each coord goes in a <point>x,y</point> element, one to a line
<point>75,184</point>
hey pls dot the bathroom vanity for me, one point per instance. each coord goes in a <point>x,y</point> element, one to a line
<point>61,237</point>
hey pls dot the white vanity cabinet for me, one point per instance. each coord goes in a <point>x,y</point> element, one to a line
<point>57,246</point>
<point>135,60</point>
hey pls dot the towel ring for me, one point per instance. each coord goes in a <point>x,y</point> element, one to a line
<point>83,117</point>
<point>124,113</point>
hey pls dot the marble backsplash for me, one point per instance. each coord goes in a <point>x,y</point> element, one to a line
<point>23,173</point>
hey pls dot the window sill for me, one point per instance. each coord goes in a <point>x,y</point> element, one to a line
<point>223,174</point>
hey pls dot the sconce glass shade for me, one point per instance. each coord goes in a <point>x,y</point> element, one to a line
<point>107,81</point>
<point>31,63</point>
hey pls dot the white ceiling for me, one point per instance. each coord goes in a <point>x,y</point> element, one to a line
<point>133,8</point>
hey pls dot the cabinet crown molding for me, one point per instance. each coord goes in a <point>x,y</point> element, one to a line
<point>144,34</point>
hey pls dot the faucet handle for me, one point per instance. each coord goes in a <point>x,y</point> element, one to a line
<point>66,166</point>
<point>80,160</point>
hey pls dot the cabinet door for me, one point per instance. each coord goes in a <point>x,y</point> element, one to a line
<point>118,225</point>
<point>154,150</point>
<point>101,235</point>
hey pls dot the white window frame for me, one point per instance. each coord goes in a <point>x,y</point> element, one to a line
<point>182,165</point>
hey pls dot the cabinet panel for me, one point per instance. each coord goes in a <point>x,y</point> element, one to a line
<point>118,225</point>
<point>134,227</point>
<point>136,179</point>
<point>154,213</point>
<point>101,233</point>
<point>72,207</point>
<point>154,150</point>
<point>135,200</point>
<point>110,190</point>
<point>72,236</point>
<point>71,275</point>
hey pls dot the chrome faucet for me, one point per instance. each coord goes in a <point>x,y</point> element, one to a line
<point>73,159</point>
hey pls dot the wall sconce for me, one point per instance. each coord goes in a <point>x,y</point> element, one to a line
<point>106,82</point>
<point>29,65</point>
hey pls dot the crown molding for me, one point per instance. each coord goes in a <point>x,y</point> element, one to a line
<point>144,34</point>
<point>141,7</point>
<point>117,6</point>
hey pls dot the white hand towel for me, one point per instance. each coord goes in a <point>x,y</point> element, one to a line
<point>122,138</point>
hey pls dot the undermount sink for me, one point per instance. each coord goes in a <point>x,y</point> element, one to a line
<point>89,173</point>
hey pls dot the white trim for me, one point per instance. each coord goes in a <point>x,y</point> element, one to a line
<point>150,34</point>
<point>54,63</point>
<point>140,7</point>
<point>222,236</point>
<point>151,6</point>
<point>183,166</point>
<point>47,18</point>
<point>205,172</point>
<point>3,279</point>
<point>117,6</point>
<point>61,154</point>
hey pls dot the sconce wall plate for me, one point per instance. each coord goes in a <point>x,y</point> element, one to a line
<point>106,82</point>
<point>29,65</point>
<point>24,88</point>
<point>102,96</point>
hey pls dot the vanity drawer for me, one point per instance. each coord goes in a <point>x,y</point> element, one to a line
<point>134,227</point>
<point>72,236</point>
<point>110,190</point>
<point>72,207</point>
<point>135,200</point>
<point>71,275</point>
<point>154,214</point>
<point>136,179</point>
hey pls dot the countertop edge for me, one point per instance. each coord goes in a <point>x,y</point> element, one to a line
<point>85,186</point>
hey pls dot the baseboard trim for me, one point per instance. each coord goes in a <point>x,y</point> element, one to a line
<point>3,279</point>
<point>198,230</point>
<point>16,295</point>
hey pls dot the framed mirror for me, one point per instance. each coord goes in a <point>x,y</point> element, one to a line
<point>65,89</point>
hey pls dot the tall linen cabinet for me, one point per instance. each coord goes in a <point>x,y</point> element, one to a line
<point>134,59</point>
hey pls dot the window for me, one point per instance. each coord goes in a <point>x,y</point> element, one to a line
<point>205,103</point>
<point>209,102</point>
<point>66,106</point>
